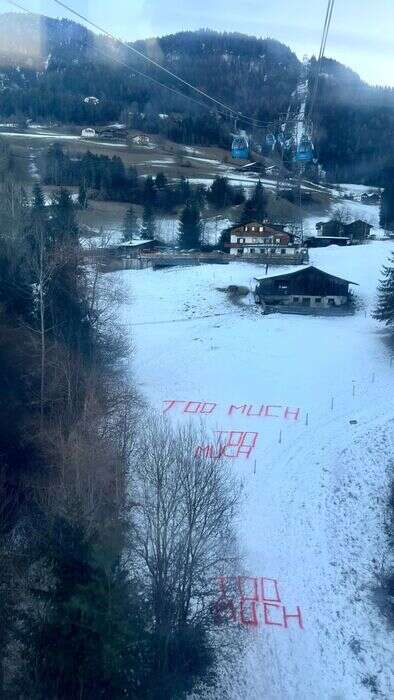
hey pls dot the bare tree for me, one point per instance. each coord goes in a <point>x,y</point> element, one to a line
<point>183,524</point>
<point>342,214</point>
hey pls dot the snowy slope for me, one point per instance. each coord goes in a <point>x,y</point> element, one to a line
<point>315,485</point>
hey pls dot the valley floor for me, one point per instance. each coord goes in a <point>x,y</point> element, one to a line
<point>316,482</point>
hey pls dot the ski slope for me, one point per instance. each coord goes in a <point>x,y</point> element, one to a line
<point>315,484</point>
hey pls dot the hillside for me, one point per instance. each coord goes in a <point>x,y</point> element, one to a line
<point>49,66</point>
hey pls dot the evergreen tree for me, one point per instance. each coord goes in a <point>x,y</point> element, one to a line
<point>219,194</point>
<point>69,313</point>
<point>64,225</point>
<point>129,225</point>
<point>86,642</point>
<point>148,228</point>
<point>387,208</point>
<point>224,240</point>
<point>161,181</point>
<point>183,191</point>
<point>38,197</point>
<point>255,208</point>
<point>190,229</point>
<point>82,196</point>
<point>385,307</point>
<point>149,193</point>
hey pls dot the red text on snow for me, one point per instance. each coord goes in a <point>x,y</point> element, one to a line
<point>229,443</point>
<point>206,408</point>
<point>254,601</point>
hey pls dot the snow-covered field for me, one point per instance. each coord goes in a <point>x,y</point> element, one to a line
<point>315,484</point>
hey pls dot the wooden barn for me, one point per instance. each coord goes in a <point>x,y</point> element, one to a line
<point>355,232</point>
<point>324,241</point>
<point>305,287</point>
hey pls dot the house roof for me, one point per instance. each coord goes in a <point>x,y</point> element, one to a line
<point>266,224</point>
<point>326,238</point>
<point>359,221</point>
<point>135,243</point>
<point>331,222</point>
<point>301,268</point>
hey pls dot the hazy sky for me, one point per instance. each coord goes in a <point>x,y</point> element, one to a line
<point>361,34</point>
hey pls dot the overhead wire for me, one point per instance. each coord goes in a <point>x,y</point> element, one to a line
<point>229,110</point>
<point>326,29</point>
<point>116,59</point>
<point>226,111</point>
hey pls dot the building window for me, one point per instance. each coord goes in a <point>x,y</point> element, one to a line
<point>246,228</point>
<point>318,300</point>
<point>296,299</point>
<point>252,250</point>
<point>261,229</point>
<point>252,228</point>
<point>306,301</point>
<point>331,301</point>
<point>283,251</point>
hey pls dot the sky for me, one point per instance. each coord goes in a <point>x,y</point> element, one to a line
<point>361,34</point>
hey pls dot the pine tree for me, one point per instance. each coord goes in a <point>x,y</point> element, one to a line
<point>161,181</point>
<point>148,228</point>
<point>255,208</point>
<point>387,208</point>
<point>183,191</point>
<point>219,194</point>
<point>190,228</point>
<point>82,196</point>
<point>38,197</point>
<point>385,307</point>
<point>129,225</point>
<point>149,193</point>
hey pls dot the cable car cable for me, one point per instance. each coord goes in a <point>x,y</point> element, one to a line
<point>135,70</point>
<point>327,23</point>
<point>230,110</point>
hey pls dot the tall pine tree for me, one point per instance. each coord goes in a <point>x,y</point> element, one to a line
<point>129,225</point>
<point>385,307</point>
<point>387,208</point>
<point>255,208</point>
<point>148,228</point>
<point>190,228</point>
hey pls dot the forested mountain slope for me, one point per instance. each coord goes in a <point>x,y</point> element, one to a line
<point>48,67</point>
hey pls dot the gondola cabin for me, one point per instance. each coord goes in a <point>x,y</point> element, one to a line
<point>304,153</point>
<point>240,149</point>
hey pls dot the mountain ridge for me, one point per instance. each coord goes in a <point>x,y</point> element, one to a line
<point>48,66</point>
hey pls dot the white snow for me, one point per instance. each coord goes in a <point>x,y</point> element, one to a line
<point>315,487</point>
<point>205,160</point>
<point>41,135</point>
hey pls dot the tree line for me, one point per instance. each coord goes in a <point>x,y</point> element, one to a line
<point>111,528</point>
<point>107,178</point>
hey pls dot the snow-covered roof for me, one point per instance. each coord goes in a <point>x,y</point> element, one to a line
<point>299,268</point>
<point>136,243</point>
